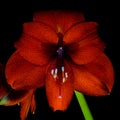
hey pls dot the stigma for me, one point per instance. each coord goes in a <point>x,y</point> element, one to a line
<point>60,51</point>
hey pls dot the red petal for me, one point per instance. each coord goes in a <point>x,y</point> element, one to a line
<point>84,43</point>
<point>85,55</point>
<point>59,95</point>
<point>40,31</point>
<point>21,74</point>
<point>80,32</point>
<point>103,69</point>
<point>62,19</point>
<point>96,78</point>
<point>24,97</point>
<point>25,106</point>
<point>33,104</point>
<point>34,51</point>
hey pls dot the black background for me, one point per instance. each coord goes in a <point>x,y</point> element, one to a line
<point>14,13</point>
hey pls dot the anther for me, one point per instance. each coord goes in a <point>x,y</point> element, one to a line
<point>66,75</point>
<point>56,70</point>
<point>54,73</point>
<point>63,79</point>
<point>62,68</point>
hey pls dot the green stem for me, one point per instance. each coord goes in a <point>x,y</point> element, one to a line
<point>84,107</point>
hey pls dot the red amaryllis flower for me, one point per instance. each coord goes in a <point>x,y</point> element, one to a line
<point>63,52</point>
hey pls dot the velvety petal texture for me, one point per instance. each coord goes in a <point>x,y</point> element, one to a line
<point>80,31</point>
<point>26,104</point>
<point>35,51</point>
<point>61,51</point>
<point>10,97</point>
<point>94,78</point>
<point>40,31</point>
<point>58,94</point>
<point>84,44</point>
<point>21,74</point>
<point>62,19</point>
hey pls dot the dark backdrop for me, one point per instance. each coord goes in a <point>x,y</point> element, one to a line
<point>14,13</point>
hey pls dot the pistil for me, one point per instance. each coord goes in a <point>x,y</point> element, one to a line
<point>59,73</point>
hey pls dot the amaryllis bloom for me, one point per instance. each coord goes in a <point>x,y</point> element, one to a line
<point>63,52</point>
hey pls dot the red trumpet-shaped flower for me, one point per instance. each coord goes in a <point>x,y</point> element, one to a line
<point>63,52</point>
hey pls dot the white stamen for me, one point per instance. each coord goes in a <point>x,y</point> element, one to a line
<point>66,75</point>
<point>56,70</point>
<point>63,79</point>
<point>62,68</point>
<point>52,71</point>
<point>55,76</point>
